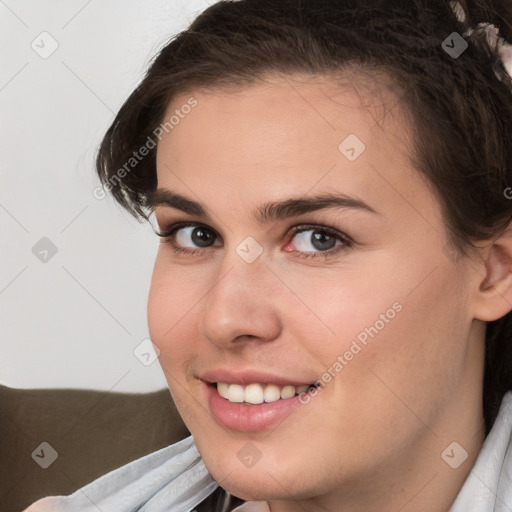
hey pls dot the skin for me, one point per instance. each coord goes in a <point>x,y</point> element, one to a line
<point>372,438</point>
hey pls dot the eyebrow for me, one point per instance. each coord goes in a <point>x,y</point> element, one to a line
<point>269,211</point>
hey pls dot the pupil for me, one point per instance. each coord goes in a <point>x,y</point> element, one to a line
<point>321,241</point>
<point>201,237</point>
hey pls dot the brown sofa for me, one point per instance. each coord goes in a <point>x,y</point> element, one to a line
<point>93,432</point>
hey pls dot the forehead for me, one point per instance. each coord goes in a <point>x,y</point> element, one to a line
<point>289,135</point>
<point>294,112</point>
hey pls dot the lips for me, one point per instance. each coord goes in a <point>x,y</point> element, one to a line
<point>244,410</point>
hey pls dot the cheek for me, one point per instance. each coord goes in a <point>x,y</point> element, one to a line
<point>330,309</point>
<point>406,322</point>
<point>169,325</point>
<point>171,303</point>
<point>415,361</point>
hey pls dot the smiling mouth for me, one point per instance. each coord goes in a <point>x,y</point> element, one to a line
<point>258,393</point>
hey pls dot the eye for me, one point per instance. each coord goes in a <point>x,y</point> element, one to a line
<point>318,241</point>
<point>181,235</point>
<point>199,235</point>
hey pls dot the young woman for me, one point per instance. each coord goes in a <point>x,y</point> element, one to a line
<point>332,182</point>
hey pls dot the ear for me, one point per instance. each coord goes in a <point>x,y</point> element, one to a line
<point>494,296</point>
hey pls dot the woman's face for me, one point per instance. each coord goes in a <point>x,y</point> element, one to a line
<point>365,299</point>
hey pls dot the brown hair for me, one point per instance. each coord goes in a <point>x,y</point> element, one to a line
<point>461,107</point>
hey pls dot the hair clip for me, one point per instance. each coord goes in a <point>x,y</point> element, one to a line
<point>494,41</point>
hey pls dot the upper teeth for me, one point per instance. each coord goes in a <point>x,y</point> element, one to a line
<point>257,393</point>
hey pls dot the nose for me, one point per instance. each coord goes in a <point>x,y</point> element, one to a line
<point>241,305</point>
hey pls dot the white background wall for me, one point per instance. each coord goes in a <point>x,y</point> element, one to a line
<point>74,320</point>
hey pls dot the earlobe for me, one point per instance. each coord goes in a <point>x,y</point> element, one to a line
<point>495,291</point>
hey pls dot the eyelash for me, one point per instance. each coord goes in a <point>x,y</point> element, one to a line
<point>168,237</point>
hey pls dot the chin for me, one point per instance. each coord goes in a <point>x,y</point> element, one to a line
<point>266,480</point>
<point>253,489</point>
